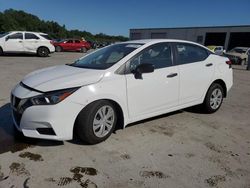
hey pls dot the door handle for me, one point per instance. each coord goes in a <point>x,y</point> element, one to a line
<point>209,64</point>
<point>20,41</point>
<point>172,75</point>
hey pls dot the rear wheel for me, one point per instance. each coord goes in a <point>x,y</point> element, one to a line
<point>58,48</point>
<point>83,50</point>
<point>214,98</point>
<point>43,52</point>
<point>96,122</point>
<point>1,51</point>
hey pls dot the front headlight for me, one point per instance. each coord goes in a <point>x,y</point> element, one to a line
<point>52,97</point>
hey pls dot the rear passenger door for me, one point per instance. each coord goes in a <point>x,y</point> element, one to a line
<point>77,45</point>
<point>196,70</point>
<point>31,42</point>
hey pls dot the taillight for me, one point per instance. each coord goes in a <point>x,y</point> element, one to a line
<point>229,63</point>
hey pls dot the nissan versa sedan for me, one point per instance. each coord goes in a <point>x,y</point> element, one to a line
<point>117,85</point>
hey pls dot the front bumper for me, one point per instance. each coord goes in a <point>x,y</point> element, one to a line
<point>54,122</point>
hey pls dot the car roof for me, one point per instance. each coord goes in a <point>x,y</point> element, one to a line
<point>40,33</point>
<point>146,41</point>
<point>153,41</point>
<point>71,39</point>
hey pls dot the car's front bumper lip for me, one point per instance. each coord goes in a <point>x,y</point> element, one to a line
<point>60,117</point>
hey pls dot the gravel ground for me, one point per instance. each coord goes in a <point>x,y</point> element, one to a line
<point>181,149</point>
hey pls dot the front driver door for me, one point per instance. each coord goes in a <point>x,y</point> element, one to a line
<point>157,91</point>
<point>68,45</point>
<point>14,43</point>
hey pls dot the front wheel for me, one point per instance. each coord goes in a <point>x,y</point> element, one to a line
<point>58,48</point>
<point>214,98</point>
<point>96,122</point>
<point>83,50</point>
<point>43,52</point>
<point>1,51</point>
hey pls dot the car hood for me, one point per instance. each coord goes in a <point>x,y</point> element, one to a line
<point>61,77</point>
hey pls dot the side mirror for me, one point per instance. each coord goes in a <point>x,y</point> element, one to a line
<point>143,68</point>
<point>7,38</point>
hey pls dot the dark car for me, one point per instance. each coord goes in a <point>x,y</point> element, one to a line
<point>93,44</point>
<point>72,45</point>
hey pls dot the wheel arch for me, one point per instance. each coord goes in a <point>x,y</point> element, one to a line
<point>59,46</point>
<point>120,113</point>
<point>223,85</point>
<point>42,47</point>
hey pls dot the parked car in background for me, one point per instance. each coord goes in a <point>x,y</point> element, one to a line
<point>219,50</point>
<point>238,55</point>
<point>117,85</point>
<point>26,42</point>
<point>72,45</point>
<point>93,44</point>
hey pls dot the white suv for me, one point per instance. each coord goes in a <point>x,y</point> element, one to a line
<point>26,42</point>
<point>118,85</point>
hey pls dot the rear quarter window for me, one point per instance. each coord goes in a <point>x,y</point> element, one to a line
<point>189,53</point>
<point>46,36</point>
<point>30,36</point>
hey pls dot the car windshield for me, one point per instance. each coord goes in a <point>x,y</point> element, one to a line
<point>3,34</point>
<point>106,57</point>
<point>239,50</point>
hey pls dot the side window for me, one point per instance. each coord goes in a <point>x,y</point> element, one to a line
<point>16,36</point>
<point>30,36</point>
<point>77,41</point>
<point>188,53</point>
<point>159,55</point>
<point>69,41</point>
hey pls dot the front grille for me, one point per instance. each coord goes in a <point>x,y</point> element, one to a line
<point>17,116</point>
<point>15,101</point>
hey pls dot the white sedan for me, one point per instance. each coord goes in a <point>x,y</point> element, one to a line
<point>26,42</point>
<point>118,85</point>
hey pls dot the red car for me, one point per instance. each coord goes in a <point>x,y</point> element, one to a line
<point>72,45</point>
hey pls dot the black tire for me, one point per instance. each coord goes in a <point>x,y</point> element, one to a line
<point>43,52</point>
<point>85,120</point>
<point>83,50</point>
<point>1,51</point>
<point>17,134</point>
<point>58,49</point>
<point>207,106</point>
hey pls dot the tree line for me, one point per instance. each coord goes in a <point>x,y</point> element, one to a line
<point>17,20</point>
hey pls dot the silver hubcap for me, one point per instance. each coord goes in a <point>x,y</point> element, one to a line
<point>216,99</point>
<point>103,121</point>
